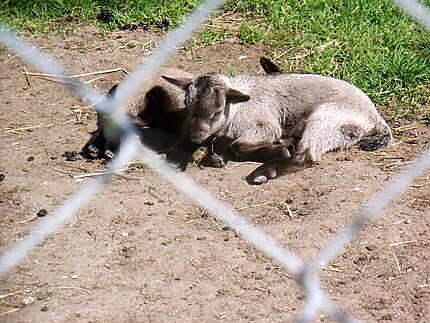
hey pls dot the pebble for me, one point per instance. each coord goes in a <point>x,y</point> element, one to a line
<point>371,247</point>
<point>70,155</point>
<point>44,308</point>
<point>105,16</point>
<point>42,213</point>
<point>30,159</point>
<point>2,177</point>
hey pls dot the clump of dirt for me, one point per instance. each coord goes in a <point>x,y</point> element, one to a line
<point>141,251</point>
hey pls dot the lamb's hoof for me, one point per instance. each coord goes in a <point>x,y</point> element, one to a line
<point>286,153</point>
<point>178,159</point>
<point>257,180</point>
<point>109,154</point>
<point>217,162</point>
<point>179,167</point>
<point>261,175</point>
<point>90,152</point>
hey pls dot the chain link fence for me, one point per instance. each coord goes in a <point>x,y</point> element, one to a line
<point>316,300</point>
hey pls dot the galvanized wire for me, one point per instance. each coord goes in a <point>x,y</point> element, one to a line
<point>306,273</point>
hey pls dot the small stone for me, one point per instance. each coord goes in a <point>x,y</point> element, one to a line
<point>127,252</point>
<point>44,308</point>
<point>30,159</point>
<point>163,24</point>
<point>105,16</point>
<point>2,177</point>
<point>42,213</point>
<point>289,201</point>
<point>70,155</point>
<point>28,300</point>
<point>386,317</point>
<point>371,247</point>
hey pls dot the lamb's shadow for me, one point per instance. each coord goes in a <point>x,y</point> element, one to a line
<point>177,150</point>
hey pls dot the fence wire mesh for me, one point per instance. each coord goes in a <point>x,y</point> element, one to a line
<point>305,273</point>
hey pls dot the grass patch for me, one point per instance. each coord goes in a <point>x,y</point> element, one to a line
<point>367,42</point>
<point>41,15</point>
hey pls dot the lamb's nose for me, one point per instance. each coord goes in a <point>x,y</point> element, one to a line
<point>197,137</point>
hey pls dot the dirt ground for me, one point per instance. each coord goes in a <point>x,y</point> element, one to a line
<point>141,252</point>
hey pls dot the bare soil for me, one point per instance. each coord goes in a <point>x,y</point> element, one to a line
<point>140,251</point>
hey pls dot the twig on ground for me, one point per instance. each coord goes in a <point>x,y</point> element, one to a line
<point>75,288</point>
<point>289,211</point>
<point>11,294</point>
<point>397,262</point>
<point>402,243</point>
<point>17,55</point>
<point>63,171</point>
<point>16,130</point>
<point>241,164</point>
<point>30,219</point>
<point>255,205</point>
<point>78,75</point>
<point>26,77</point>
<point>310,52</point>
<point>93,80</point>
<point>333,269</point>
<point>10,311</point>
<point>80,176</point>
<point>411,126</point>
<point>133,42</point>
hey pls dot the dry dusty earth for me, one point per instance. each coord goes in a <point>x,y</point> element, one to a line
<point>140,251</point>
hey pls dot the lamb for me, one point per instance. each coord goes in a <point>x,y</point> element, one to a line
<point>286,121</point>
<point>159,105</point>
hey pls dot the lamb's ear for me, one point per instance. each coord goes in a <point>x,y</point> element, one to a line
<point>268,66</point>
<point>235,96</point>
<point>182,82</point>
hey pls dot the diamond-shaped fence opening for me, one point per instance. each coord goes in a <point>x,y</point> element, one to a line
<point>305,273</point>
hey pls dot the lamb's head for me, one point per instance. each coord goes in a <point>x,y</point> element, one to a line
<point>208,101</point>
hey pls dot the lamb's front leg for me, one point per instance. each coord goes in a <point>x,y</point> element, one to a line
<point>180,155</point>
<point>273,169</point>
<point>260,152</point>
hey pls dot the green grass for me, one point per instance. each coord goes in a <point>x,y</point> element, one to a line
<point>377,48</point>
<point>367,42</point>
<point>41,15</point>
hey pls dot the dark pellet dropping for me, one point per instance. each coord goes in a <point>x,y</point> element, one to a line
<point>42,213</point>
<point>70,155</point>
<point>2,177</point>
<point>30,159</point>
<point>105,16</point>
<point>44,308</point>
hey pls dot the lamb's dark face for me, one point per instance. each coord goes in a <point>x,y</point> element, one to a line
<point>208,101</point>
<point>205,100</point>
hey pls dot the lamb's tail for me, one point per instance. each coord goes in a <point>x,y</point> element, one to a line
<point>380,137</point>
